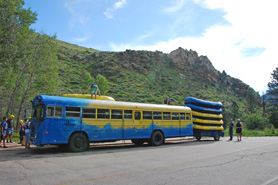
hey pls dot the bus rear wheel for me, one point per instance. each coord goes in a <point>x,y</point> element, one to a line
<point>156,139</point>
<point>78,143</point>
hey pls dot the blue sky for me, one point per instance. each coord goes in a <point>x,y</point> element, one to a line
<point>237,36</point>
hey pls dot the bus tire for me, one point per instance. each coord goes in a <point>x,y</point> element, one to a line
<point>217,136</point>
<point>156,139</point>
<point>138,142</point>
<point>198,138</point>
<point>75,143</point>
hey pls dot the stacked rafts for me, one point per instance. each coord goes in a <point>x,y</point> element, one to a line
<point>207,118</point>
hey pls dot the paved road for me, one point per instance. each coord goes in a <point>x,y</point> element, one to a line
<point>179,161</point>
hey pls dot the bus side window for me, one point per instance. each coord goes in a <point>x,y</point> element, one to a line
<point>89,113</point>
<point>182,116</point>
<point>137,115</point>
<point>188,116</point>
<point>54,111</point>
<point>147,115</point>
<point>103,113</point>
<point>72,112</point>
<point>157,115</point>
<point>175,116</point>
<point>127,114</point>
<point>50,111</point>
<point>166,116</point>
<point>59,111</point>
<point>116,114</point>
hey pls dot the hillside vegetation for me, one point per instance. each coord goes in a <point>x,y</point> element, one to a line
<point>144,76</point>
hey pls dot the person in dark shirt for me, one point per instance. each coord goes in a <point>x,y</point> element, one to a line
<point>239,130</point>
<point>10,130</point>
<point>21,131</point>
<point>231,128</point>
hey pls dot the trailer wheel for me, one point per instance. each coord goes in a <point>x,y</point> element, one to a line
<point>198,138</point>
<point>156,139</point>
<point>217,136</point>
<point>78,143</point>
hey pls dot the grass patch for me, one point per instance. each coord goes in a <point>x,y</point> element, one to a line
<point>255,133</point>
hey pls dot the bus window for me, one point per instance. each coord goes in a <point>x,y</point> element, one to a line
<point>89,113</point>
<point>54,111</point>
<point>175,116</point>
<point>188,116</point>
<point>72,112</point>
<point>127,114</point>
<point>166,116</point>
<point>59,111</point>
<point>147,114</point>
<point>103,113</point>
<point>137,115</point>
<point>116,114</point>
<point>38,112</point>
<point>182,116</point>
<point>157,115</point>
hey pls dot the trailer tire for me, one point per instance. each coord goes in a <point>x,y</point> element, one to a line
<point>217,136</point>
<point>78,143</point>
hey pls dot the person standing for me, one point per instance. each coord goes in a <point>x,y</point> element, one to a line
<point>21,131</point>
<point>231,129</point>
<point>4,127</point>
<point>239,130</point>
<point>94,90</point>
<point>27,132</point>
<point>10,130</point>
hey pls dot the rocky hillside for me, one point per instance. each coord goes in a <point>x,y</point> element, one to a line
<point>144,76</point>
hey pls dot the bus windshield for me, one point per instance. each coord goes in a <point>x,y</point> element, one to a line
<point>38,113</point>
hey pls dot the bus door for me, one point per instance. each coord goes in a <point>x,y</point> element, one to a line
<point>137,124</point>
<point>128,125</point>
<point>183,125</point>
<point>53,123</point>
<point>73,119</point>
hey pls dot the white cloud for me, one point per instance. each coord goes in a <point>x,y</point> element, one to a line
<point>119,4</point>
<point>109,11</point>
<point>176,7</point>
<point>80,39</point>
<point>252,25</point>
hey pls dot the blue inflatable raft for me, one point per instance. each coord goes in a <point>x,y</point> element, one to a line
<point>202,103</point>
<point>204,109</point>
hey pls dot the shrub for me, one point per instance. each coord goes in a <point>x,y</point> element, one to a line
<point>255,121</point>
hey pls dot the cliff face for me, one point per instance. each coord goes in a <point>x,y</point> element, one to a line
<point>181,60</point>
<point>201,65</point>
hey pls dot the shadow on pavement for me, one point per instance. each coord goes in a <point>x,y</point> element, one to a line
<point>18,152</point>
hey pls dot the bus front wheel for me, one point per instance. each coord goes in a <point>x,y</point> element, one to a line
<point>156,139</point>
<point>78,142</point>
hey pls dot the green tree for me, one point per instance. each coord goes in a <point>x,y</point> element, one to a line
<point>272,93</point>
<point>235,110</point>
<point>14,35</point>
<point>103,84</point>
<point>256,121</point>
<point>29,61</point>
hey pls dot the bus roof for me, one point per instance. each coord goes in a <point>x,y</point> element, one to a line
<point>79,102</point>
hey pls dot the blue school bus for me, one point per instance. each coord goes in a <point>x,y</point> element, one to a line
<point>76,122</point>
